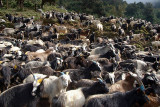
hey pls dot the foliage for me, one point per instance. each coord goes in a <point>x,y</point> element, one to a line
<point>100,8</point>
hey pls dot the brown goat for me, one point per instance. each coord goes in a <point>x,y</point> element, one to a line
<point>154,101</point>
<point>103,61</point>
<point>123,85</point>
<point>157,37</point>
<point>42,56</point>
<point>85,32</point>
<point>114,21</point>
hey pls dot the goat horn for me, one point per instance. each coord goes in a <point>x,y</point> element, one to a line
<point>32,74</point>
<point>100,79</point>
<point>1,62</point>
<point>62,73</point>
<point>136,76</point>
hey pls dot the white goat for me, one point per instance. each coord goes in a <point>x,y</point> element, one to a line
<point>14,49</point>
<point>2,46</point>
<point>40,50</point>
<point>136,36</point>
<point>156,43</point>
<point>8,31</point>
<point>100,27</point>
<point>6,43</point>
<point>97,24</point>
<point>39,41</point>
<point>2,21</point>
<point>35,64</point>
<point>77,97</point>
<point>30,78</point>
<point>61,29</point>
<point>53,85</point>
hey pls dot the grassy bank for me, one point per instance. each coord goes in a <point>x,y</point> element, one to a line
<point>27,12</point>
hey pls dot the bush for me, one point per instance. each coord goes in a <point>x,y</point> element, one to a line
<point>111,34</point>
<point>49,21</point>
<point>8,25</point>
<point>28,4</point>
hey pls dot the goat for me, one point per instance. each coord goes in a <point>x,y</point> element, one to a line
<point>102,50</point>
<point>20,96</point>
<point>6,73</point>
<point>100,27</point>
<point>35,64</point>
<point>157,37</point>
<point>43,56</point>
<point>123,85</point>
<point>156,44</point>
<point>154,101</point>
<point>32,48</point>
<point>76,98</point>
<point>136,36</point>
<point>121,31</point>
<point>113,27</point>
<point>31,78</point>
<point>83,83</point>
<point>57,63</point>
<point>113,21</point>
<point>117,99</point>
<point>23,73</point>
<point>35,41</point>
<point>60,29</point>
<point>85,73</point>
<point>14,49</point>
<point>53,85</point>
<point>8,31</point>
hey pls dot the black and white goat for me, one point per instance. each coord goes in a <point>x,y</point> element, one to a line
<point>20,96</point>
<point>76,98</point>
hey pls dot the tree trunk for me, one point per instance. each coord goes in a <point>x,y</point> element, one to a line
<point>21,4</point>
<point>7,3</point>
<point>1,4</point>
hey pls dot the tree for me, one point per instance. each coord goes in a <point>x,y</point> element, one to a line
<point>1,4</point>
<point>20,3</point>
<point>158,14</point>
<point>149,12</point>
<point>131,10</point>
<point>7,3</point>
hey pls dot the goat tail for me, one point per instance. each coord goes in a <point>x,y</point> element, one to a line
<point>58,102</point>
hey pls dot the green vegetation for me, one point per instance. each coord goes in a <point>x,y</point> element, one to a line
<point>98,8</point>
<point>117,8</point>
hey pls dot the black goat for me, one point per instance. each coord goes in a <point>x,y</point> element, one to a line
<point>20,96</point>
<point>117,99</point>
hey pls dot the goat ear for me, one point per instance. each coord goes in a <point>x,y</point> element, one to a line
<point>40,80</point>
<point>62,73</point>
<point>70,80</point>
<point>15,67</point>
<point>1,62</point>
<point>26,53</point>
<point>67,73</point>
<point>100,80</point>
<point>0,67</point>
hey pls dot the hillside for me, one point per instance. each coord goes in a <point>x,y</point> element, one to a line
<point>63,54</point>
<point>99,8</point>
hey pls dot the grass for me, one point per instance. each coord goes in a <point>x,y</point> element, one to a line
<point>27,12</point>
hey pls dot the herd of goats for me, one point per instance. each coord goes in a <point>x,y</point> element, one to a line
<point>39,68</point>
